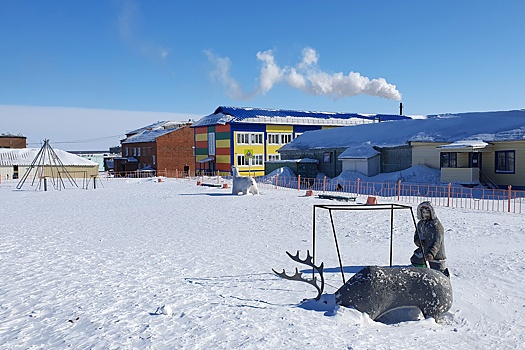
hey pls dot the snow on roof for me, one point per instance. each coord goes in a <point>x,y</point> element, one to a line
<point>151,126</point>
<point>151,132</point>
<point>147,135</point>
<point>25,156</point>
<point>466,144</point>
<point>359,152</point>
<point>161,125</point>
<point>223,115</point>
<point>484,126</point>
<point>299,160</point>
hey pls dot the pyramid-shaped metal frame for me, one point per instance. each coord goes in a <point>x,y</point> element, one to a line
<point>46,157</point>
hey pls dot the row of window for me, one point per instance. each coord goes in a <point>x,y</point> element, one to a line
<point>137,151</point>
<point>257,138</point>
<point>504,161</point>
<point>257,159</point>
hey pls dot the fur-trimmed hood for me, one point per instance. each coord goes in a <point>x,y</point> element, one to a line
<point>429,206</point>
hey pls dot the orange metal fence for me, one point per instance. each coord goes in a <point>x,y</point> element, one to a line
<point>499,200</point>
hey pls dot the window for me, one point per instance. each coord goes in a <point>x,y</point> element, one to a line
<point>243,138</point>
<point>257,139</point>
<point>327,157</point>
<point>273,139</point>
<point>241,160</point>
<point>449,160</point>
<point>246,138</point>
<point>138,152</point>
<point>279,139</point>
<point>274,157</point>
<point>127,151</point>
<point>286,138</point>
<point>505,162</point>
<point>153,156</point>
<point>257,159</point>
<point>211,143</point>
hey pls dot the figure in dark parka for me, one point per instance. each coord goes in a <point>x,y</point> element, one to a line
<point>431,234</point>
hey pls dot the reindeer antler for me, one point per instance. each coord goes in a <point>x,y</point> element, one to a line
<point>298,275</point>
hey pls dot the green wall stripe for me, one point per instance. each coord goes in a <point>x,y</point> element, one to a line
<point>222,135</point>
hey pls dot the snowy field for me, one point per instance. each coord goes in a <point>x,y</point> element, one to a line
<point>89,269</point>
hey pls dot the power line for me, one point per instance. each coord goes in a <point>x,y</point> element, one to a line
<point>82,141</point>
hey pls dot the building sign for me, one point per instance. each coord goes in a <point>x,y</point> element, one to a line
<point>248,153</point>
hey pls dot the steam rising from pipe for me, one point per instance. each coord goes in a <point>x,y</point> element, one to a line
<point>305,76</point>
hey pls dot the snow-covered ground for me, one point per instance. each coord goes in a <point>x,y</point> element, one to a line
<point>89,269</point>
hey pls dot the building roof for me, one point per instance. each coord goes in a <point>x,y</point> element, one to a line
<point>147,136</point>
<point>445,128</point>
<point>9,136</point>
<point>151,126</point>
<point>223,115</point>
<point>151,132</point>
<point>25,156</point>
<point>299,160</point>
<point>465,145</point>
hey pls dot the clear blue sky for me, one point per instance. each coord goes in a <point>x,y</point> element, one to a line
<point>192,56</point>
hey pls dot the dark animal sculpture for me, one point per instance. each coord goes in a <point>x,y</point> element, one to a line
<point>377,290</point>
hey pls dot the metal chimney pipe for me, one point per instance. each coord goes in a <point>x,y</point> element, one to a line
<point>400,108</point>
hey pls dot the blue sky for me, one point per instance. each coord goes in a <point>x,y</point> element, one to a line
<point>192,56</point>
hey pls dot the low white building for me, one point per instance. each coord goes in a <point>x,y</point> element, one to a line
<point>14,163</point>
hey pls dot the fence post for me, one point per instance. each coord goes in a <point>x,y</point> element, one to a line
<point>448,195</point>
<point>276,180</point>
<point>324,184</point>
<point>218,177</point>
<point>398,189</point>
<point>508,197</point>
<point>299,182</point>
<point>358,185</point>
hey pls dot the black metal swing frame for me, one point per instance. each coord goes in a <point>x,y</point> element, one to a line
<point>341,207</point>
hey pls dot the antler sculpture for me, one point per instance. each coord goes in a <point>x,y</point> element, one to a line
<point>298,275</point>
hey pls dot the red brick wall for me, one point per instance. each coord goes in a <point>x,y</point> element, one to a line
<point>175,150</point>
<point>147,151</point>
<point>12,142</point>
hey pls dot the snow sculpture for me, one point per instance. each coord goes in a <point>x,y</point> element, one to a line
<point>377,290</point>
<point>244,184</point>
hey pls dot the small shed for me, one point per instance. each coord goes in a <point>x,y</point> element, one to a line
<point>363,159</point>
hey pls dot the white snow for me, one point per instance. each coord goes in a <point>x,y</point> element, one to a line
<point>26,156</point>
<point>478,126</point>
<point>145,264</point>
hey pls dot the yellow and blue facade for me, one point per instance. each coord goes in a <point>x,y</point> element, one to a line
<point>248,137</point>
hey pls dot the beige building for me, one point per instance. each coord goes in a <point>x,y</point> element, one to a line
<point>14,163</point>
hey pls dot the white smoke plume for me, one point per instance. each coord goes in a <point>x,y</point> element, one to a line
<point>222,74</point>
<point>127,28</point>
<point>305,76</point>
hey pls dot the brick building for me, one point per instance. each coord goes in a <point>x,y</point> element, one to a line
<point>165,146</point>
<point>12,141</point>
